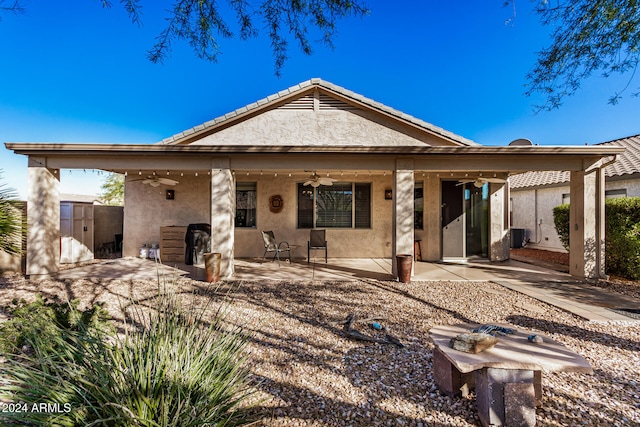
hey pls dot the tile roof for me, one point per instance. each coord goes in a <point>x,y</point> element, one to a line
<point>627,163</point>
<point>317,82</point>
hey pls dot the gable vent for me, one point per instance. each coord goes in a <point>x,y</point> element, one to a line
<point>330,103</point>
<point>304,103</point>
<point>325,102</point>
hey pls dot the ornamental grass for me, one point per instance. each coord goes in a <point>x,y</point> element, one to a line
<point>172,365</point>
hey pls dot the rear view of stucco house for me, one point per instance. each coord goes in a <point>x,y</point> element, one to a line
<point>395,179</point>
<point>535,194</point>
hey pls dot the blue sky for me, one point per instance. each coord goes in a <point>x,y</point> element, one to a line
<point>75,72</point>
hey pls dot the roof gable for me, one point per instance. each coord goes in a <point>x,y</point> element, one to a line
<point>333,106</point>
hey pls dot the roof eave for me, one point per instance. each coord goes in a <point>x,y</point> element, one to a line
<point>145,149</point>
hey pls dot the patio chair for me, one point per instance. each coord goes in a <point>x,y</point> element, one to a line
<point>317,241</point>
<point>270,245</point>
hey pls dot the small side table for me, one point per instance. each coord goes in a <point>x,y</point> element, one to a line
<point>507,378</point>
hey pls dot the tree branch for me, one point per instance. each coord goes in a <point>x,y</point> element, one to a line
<point>589,36</point>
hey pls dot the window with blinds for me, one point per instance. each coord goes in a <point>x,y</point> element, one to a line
<point>363,205</point>
<point>245,204</point>
<point>342,205</point>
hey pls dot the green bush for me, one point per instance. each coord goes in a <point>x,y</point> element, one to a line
<point>171,367</point>
<point>622,235</point>
<point>561,221</point>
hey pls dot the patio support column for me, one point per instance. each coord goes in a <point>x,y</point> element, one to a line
<point>43,219</point>
<point>222,214</point>
<point>498,222</point>
<point>403,211</point>
<point>433,225</point>
<point>586,224</point>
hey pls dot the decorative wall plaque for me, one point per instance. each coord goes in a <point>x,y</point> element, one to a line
<point>276,203</point>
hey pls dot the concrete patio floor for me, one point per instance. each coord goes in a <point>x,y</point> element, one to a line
<point>553,287</point>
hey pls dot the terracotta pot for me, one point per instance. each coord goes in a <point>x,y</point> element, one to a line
<point>212,266</point>
<point>404,264</point>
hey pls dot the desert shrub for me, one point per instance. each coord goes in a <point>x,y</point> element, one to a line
<point>622,234</point>
<point>172,366</point>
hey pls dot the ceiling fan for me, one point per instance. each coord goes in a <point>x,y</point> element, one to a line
<point>480,181</point>
<point>316,180</point>
<point>156,181</point>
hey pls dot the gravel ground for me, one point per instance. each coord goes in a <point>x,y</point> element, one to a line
<point>308,373</point>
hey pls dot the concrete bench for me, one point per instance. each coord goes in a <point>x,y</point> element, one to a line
<point>507,378</point>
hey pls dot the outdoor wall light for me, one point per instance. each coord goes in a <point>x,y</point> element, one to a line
<point>170,194</point>
<point>388,194</point>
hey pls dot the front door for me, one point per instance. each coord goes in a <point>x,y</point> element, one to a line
<point>453,224</point>
<point>465,220</point>
<point>476,207</point>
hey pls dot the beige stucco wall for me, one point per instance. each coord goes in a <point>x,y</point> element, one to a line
<point>531,205</point>
<point>324,127</point>
<point>342,243</point>
<point>147,209</point>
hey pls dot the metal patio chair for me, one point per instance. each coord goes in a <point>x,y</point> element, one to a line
<point>317,241</point>
<point>270,245</point>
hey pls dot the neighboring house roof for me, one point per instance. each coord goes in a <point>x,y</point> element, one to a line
<point>627,163</point>
<point>82,198</point>
<point>296,95</point>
